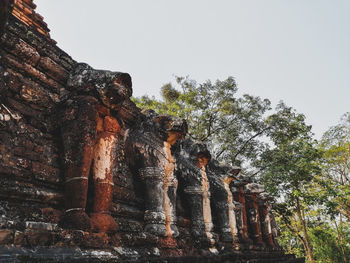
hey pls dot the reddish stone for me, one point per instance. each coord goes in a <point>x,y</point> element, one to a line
<point>45,172</point>
<point>111,124</point>
<point>240,197</point>
<point>100,127</point>
<point>167,242</point>
<point>6,236</point>
<point>34,93</point>
<point>21,49</point>
<point>51,215</point>
<point>12,80</point>
<point>24,11</point>
<point>38,238</point>
<point>252,204</point>
<point>103,111</point>
<point>19,239</point>
<point>76,220</point>
<point>171,253</point>
<point>103,223</point>
<point>24,109</point>
<point>264,218</point>
<point>95,240</point>
<point>33,72</point>
<point>53,69</point>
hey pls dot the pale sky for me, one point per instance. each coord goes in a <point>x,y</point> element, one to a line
<point>297,51</point>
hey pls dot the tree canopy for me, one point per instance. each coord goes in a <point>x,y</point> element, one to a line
<point>230,125</point>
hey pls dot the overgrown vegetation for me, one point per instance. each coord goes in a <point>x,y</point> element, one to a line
<point>309,179</point>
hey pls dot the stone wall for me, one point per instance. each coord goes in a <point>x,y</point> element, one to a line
<point>33,74</point>
<point>167,201</point>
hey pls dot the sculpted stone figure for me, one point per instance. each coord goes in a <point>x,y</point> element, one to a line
<point>274,230</point>
<point>88,129</point>
<point>220,177</point>
<point>191,169</point>
<point>148,152</point>
<point>237,189</point>
<point>252,191</point>
<point>265,220</point>
<point>268,224</point>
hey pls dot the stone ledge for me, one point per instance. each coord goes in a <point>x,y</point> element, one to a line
<point>122,254</point>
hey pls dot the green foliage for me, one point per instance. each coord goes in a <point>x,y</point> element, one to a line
<point>287,237</point>
<point>291,161</point>
<point>328,248</point>
<point>335,178</point>
<point>230,126</point>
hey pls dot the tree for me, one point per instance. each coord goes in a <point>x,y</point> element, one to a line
<point>231,126</point>
<point>327,245</point>
<point>335,144</point>
<point>334,181</point>
<point>290,164</point>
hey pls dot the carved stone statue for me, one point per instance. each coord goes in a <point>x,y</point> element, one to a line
<point>237,189</point>
<point>252,191</point>
<point>88,131</point>
<point>191,161</point>
<point>274,230</point>
<point>148,152</point>
<point>220,177</point>
<point>267,219</point>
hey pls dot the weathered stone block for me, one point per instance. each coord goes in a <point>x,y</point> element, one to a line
<point>22,50</point>
<point>123,179</point>
<point>53,69</point>
<point>141,239</point>
<point>34,73</point>
<point>125,210</point>
<point>32,92</point>
<point>38,238</point>
<point>29,192</point>
<point>167,242</point>
<point>22,32</point>
<point>51,215</point>
<point>24,109</point>
<point>129,225</point>
<point>23,152</point>
<point>6,236</point>
<point>46,173</point>
<point>40,226</point>
<point>95,240</point>
<point>19,239</point>
<point>67,62</point>
<point>13,166</point>
<point>12,81</point>
<point>124,194</point>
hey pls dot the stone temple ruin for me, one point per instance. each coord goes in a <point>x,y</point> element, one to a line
<point>86,176</point>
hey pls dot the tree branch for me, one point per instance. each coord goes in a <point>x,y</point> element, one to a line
<point>221,152</point>
<point>250,139</point>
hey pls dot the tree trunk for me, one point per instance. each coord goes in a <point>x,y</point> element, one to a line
<point>340,238</point>
<point>306,236</point>
<point>294,231</point>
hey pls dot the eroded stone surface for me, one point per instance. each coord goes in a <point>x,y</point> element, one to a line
<point>86,175</point>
